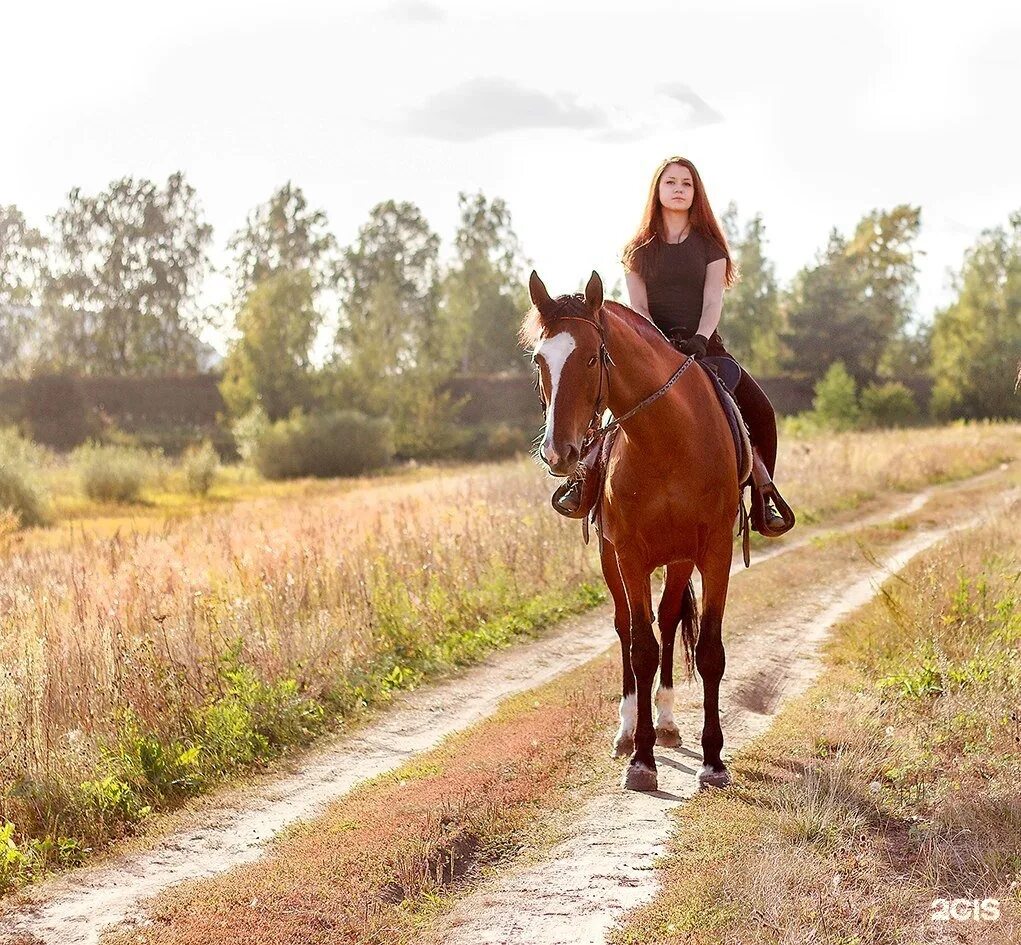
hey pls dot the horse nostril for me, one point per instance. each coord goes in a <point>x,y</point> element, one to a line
<point>571,456</point>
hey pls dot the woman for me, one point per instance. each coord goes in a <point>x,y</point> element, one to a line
<point>678,265</point>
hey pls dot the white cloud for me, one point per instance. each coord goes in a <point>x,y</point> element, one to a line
<point>415,11</point>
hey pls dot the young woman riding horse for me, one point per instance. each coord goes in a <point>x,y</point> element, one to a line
<point>678,265</point>
<point>670,498</point>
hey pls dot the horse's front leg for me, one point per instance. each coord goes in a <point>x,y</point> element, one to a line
<point>624,741</point>
<point>641,772</point>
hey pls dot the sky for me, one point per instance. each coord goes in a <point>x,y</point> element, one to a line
<point>808,113</point>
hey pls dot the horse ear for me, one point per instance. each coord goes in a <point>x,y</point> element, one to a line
<point>537,292</point>
<point>594,292</point>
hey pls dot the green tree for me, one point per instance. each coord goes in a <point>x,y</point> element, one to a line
<point>283,234</point>
<point>824,315</point>
<point>22,251</point>
<point>882,251</point>
<point>120,296</point>
<point>855,302</point>
<point>389,287</point>
<point>268,366</point>
<point>835,404</point>
<point>484,292</point>
<point>976,340</point>
<point>391,354</point>
<point>752,321</point>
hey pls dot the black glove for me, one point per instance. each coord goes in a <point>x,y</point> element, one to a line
<point>695,345</point>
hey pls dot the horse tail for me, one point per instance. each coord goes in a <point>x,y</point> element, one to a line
<point>689,628</point>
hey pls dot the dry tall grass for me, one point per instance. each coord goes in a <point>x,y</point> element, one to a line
<point>346,596</point>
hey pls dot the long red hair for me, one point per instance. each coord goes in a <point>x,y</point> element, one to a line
<point>640,253</point>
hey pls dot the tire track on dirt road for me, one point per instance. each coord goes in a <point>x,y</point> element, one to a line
<point>228,832</point>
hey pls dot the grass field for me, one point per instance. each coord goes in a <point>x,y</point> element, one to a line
<point>143,666</point>
<point>384,863</point>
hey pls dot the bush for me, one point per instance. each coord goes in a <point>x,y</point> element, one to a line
<point>247,431</point>
<point>200,464</point>
<point>888,405</point>
<point>835,405</point>
<point>504,440</point>
<point>15,448</point>
<point>338,443</point>
<point>20,494</point>
<point>111,473</point>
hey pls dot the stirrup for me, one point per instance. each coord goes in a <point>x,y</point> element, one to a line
<point>763,490</point>
<point>567,499</point>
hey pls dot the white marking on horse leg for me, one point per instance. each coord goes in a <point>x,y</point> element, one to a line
<point>554,351</point>
<point>629,714</point>
<point>665,708</point>
<point>624,740</point>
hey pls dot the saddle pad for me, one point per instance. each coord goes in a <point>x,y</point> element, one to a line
<point>726,368</point>
<point>738,430</point>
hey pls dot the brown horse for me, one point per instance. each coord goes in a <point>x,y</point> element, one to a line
<point>670,499</point>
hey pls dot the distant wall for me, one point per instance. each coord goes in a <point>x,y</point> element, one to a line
<point>167,412</point>
<point>137,403</point>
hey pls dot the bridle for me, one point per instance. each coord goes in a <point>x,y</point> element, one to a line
<point>595,431</point>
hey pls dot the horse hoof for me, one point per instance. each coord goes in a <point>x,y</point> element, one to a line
<point>668,737</point>
<point>623,747</point>
<point>639,777</point>
<point>711,777</point>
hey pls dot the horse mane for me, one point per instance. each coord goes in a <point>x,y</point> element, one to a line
<point>536,325</point>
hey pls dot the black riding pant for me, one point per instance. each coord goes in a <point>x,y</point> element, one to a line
<point>755,407</point>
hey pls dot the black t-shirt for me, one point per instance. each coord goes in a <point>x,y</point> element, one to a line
<point>676,281</point>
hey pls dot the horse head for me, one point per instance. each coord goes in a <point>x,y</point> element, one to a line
<point>566,336</point>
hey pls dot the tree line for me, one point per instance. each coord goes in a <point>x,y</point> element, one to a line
<point>113,286</point>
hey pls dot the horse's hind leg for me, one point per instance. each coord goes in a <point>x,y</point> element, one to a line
<point>624,741</point>
<point>671,605</point>
<point>711,660</point>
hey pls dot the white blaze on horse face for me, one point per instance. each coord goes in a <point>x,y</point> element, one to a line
<point>554,352</point>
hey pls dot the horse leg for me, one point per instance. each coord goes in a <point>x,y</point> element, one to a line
<point>641,772</point>
<point>711,661</point>
<point>624,741</point>
<point>670,607</point>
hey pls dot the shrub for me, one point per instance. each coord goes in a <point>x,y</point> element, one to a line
<point>835,404</point>
<point>338,443</point>
<point>111,473</point>
<point>888,405</point>
<point>504,440</point>
<point>200,464</point>
<point>16,448</point>
<point>247,431</point>
<point>20,494</point>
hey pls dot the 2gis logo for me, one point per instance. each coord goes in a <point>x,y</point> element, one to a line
<point>965,910</point>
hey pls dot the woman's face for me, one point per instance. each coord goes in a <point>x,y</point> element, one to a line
<point>676,188</point>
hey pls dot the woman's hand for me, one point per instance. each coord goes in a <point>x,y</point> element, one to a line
<point>696,345</point>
